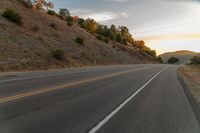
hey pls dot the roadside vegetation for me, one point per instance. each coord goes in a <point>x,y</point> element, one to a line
<point>13,16</point>
<point>120,34</point>
<point>173,60</point>
<point>58,54</point>
<point>195,60</point>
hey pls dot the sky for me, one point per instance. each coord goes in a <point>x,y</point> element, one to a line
<point>165,25</point>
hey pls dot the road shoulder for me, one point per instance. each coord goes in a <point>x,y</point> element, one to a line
<point>189,77</point>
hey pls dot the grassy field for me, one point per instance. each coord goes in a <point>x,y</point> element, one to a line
<point>191,76</point>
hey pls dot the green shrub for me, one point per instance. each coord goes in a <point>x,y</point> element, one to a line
<point>51,12</point>
<point>26,3</point>
<point>160,59</point>
<point>99,37</point>
<point>58,54</point>
<point>12,16</point>
<point>70,23</point>
<point>53,25</point>
<point>195,60</point>
<point>173,60</point>
<point>80,40</point>
<point>35,28</point>
<point>106,40</point>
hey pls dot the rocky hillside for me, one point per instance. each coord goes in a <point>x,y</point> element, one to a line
<point>183,55</point>
<point>29,46</point>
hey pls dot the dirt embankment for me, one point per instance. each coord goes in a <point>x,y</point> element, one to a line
<point>29,47</point>
<point>190,78</point>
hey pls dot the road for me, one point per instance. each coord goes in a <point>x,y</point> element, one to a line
<point>111,99</point>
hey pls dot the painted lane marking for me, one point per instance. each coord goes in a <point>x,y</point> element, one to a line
<point>41,91</point>
<point>47,75</point>
<point>108,117</point>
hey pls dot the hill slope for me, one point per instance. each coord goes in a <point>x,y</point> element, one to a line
<point>29,46</point>
<point>184,56</point>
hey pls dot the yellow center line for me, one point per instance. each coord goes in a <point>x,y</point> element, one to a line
<point>32,93</point>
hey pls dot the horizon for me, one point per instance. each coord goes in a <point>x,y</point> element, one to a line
<point>161,23</point>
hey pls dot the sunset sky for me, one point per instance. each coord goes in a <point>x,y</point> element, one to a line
<point>165,25</point>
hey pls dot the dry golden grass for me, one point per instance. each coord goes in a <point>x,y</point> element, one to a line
<point>29,47</point>
<point>191,76</point>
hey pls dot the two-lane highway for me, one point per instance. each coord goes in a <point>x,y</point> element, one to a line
<point>112,99</point>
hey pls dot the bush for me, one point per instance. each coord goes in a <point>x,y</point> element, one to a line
<point>70,23</point>
<point>99,37</point>
<point>36,29</point>
<point>12,16</point>
<point>160,59</point>
<point>195,60</point>
<point>106,40</point>
<point>53,25</point>
<point>51,12</point>
<point>26,3</point>
<point>80,40</point>
<point>173,60</point>
<point>58,54</point>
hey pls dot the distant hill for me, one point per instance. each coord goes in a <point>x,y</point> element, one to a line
<point>29,47</point>
<point>183,55</point>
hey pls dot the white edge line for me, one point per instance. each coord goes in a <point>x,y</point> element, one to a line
<point>108,117</point>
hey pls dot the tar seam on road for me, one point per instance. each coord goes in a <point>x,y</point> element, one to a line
<point>27,94</point>
<point>37,77</point>
<point>42,76</point>
<point>108,117</point>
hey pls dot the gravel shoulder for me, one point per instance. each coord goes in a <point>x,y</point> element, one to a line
<point>189,77</point>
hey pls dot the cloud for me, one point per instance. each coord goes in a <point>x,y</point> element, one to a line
<point>99,16</point>
<point>117,0</point>
<point>172,37</point>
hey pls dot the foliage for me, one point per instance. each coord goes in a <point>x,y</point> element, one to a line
<point>26,3</point>
<point>51,12</point>
<point>58,54</point>
<point>53,25</point>
<point>120,34</point>
<point>64,13</point>
<point>13,16</point>
<point>43,3</point>
<point>106,40</point>
<point>80,40</point>
<point>195,60</point>
<point>160,59</point>
<point>173,60</point>
<point>91,25</point>
<point>36,28</point>
<point>70,21</point>
<point>100,37</point>
<point>82,23</point>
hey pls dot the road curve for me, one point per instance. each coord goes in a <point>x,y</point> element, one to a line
<point>112,99</point>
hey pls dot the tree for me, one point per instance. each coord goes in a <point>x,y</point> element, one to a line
<point>119,38</point>
<point>195,60</point>
<point>82,23</point>
<point>48,5</point>
<point>91,25</point>
<point>173,60</point>
<point>113,29</point>
<point>40,3</point>
<point>64,13</point>
<point>160,59</point>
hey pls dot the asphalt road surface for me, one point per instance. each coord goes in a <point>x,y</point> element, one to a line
<point>111,99</point>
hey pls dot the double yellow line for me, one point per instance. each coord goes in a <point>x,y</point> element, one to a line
<point>32,93</point>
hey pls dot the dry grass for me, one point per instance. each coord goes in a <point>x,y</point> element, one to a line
<point>191,76</point>
<point>26,47</point>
